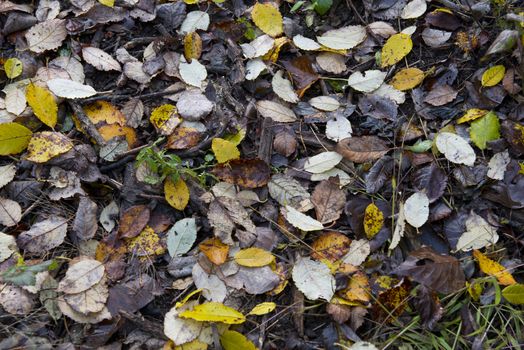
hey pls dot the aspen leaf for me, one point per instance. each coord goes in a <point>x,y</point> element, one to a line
<point>13,67</point>
<point>268,18</point>
<point>514,294</point>
<point>313,279</point>
<point>254,257</point>
<point>100,59</point>
<point>14,138</point>
<point>407,79</point>
<point>484,130</point>
<point>472,114</point>
<point>43,104</point>
<point>395,49</point>
<point>224,150</point>
<point>176,193</point>
<point>70,89</point>
<point>214,250</point>
<point>263,308</point>
<point>232,340</point>
<point>322,162</point>
<point>367,82</point>
<point>214,312</point>
<point>373,220</point>
<point>46,145</point>
<point>344,38</point>
<point>493,268</point>
<point>479,234</point>
<point>493,75</point>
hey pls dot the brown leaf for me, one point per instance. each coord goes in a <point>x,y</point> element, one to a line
<point>133,221</point>
<point>302,73</point>
<point>285,143</point>
<point>340,313</point>
<point>183,138</point>
<point>214,250</point>
<point>85,224</point>
<point>427,304</point>
<point>391,303</point>
<point>362,149</point>
<point>432,180</point>
<point>192,46</point>
<point>443,20</point>
<point>439,272</point>
<point>329,201</point>
<point>441,95</point>
<point>249,173</point>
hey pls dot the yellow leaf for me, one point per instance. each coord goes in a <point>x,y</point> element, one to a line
<point>113,130</point>
<point>192,46</point>
<point>13,68</point>
<point>514,294</point>
<point>46,145</point>
<point>182,302</point>
<point>330,246</point>
<point>272,54</point>
<point>191,2</point>
<point>263,308</point>
<point>224,150</point>
<point>254,257</point>
<point>214,312</point>
<point>43,104</point>
<point>407,79</point>
<point>395,49</point>
<point>176,193</point>
<point>236,138</point>
<point>192,345</point>
<point>108,3</point>
<point>214,250</point>
<point>268,18</point>
<point>358,288</point>
<point>14,138</point>
<point>373,220</point>
<point>474,290</point>
<point>493,268</point>
<point>232,340</point>
<point>493,75</point>
<point>103,111</point>
<point>165,119</point>
<point>521,166</point>
<point>471,114</point>
<point>146,244</point>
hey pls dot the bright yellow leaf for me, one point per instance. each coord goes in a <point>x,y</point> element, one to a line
<point>192,46</point>
<point>474,290</point>
<point>146,244</point>
<point>472,114</point>
<point>493,268</point>
<point>373,220</point>
<point>232,340</point>
<point>493,75</point>
<point>395,49</point>
<point>14,138</point>
<point>104,112</point>
<point>43,104</point>
<point>192,345</point>
<point>214,312</point>
<point>224,150</point>
<point>176,193</point>
<point>254,257</point>
<point>521,166</point>
<point>358,288</point>
<point>268,18</point>
<point>407,79</point>
<point>13,68</point>
<point>46,145</point>
<point>236,138</point>
<point>191,2</point>
<point>263,308</point>
<point>113,130</point>
<point>182,302</point>
<point>108,3</point>
<point>330,246</point>
<point>214,250</point>
<point>165,119</point>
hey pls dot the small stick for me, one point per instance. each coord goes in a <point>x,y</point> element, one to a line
<point>86,123</point>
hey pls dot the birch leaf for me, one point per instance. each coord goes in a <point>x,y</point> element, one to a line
<point>313,279</point>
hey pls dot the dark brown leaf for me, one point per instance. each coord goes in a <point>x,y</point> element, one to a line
<point>249,173</point>
<point>133,221</point>
<point>427,304</point>
<point>362,149</point>
<point>441,273</point>
<point>183,138</point>
<point>285,143</point>
<point>302,73</point>
<point>85,224</point>
<point>391,303</point>
<point>329,200</point>
<point>432,180</point>
<point>443,20</point>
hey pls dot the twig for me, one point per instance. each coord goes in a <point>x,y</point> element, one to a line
<point>86,123</point>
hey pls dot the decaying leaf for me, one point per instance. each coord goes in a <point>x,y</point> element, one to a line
<point>330,246</point>
<point>362,149</point>
<point>313,279</point>
<point>133,221</point>
<point>46,145</point>
<point>416,209</point>
<point>373,220</point>
<point>455,148</point>
<point>329,200</point>
<point>44,235</point>
<point>81,276</point>
<point>47,35</point>
<point>10,212</point>
<point>343,38</point>
<point>249,173</point>
<point>301,221</point>
<point>479,234</point>
<point>214,250</point>
<point>176,193</point>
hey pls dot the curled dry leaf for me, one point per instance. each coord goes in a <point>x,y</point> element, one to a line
<point>362,149</point>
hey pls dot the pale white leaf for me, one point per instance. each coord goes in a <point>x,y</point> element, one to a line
<point>435,37</point>
<point>343,38</point>
<point>382,29</point>
<point>275,111</point>
<point>71,65</point>
<point>283,88</point>
<point>193,73</point>
<point>7,246</point>
<point>498,164</point>
<point>93,317</point>
<point>108,216</point>
<point>313,279</point>
<point>258,47</point>
<point>359,250</point>
<point>332,62</point>
<point>181,236</point>
<point>343,177</point>
<point>288,191</point>
<point>81,276</point>
<point>15,300</point>
<point>414,9</point>
<point>325,103</point>
<point>400,226</point>
<point>254,68</point>
<point>47,35</point>
<point>367,82</point>
<point>7,174</point>
<point>213,288</point>
<point>89,301</point>
<point>44,235</point>
<point>338,128</point>
<point>409,30</point>
<point>479,234</point>
<point>15,101</point>
<point>304,43</point>
<point>455,148</point>
<point>181,330</point>
<point>10,212</point>
<point>362,345</point>
<point>47,9</point>
<point>100,59</point>
<point>193,105</point>
<point>322,162</point>
<point>113,149</point>
<point>70,89</point>
<point>301,221</point>
<point>388,91</point>
<point>416,209</point>
<point>195,20</point>
<point>134,71</point>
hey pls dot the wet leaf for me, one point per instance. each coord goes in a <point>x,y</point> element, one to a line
<point>283,88</point>
<point>179,330</point>
<point>267,17</point>
<point>358,288</point>
<point>14,138</point>
<point>224,150</point>
<point>195,20</point>
<point>46,145</point>
<point>358,252</point>
<point>493,268</point>
<point>373,220</point>
<point>214,312</point>
<point>441,95</point>
<point>313,279</point>
<point>249,173</point>
<point>193,73</point>
<point>395,49</point>
<point>254,257</point>
<point>176,193</point>
<point>85,224</point>
<point>89,301</point>
<point>432,180</point>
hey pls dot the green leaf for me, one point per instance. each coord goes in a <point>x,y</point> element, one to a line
<point>25,275</point>
<point>323,6</point>
<point>514,294</point>
<point>420,146</point>
<point>485,129</point>
<point>13,68</point>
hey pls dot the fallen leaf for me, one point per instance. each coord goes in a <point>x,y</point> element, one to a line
<point>302,73</point>
<point>395,49</point>
<point>214,312</point>
<point>329,201</point>
<point>416,209</point>
<point>283,88</point>
<point>338,128</point>
<point>275,111</point>
<point>414,9</point>
<point>301,221</point>
<point>359,250</point>
<point>179,330</point>
<point>44,235</point>
<point>484,130</point>
<point>14,138</point>
<point>193,73</point>
<point>224,150</point>
<point>493,75</point>
<point>344,38</point>
<point>7,246</point>
<point>479,234</point>
<point>455,148</point>
<point>367,82</point>
<point>258,47</point>
<point>183,138</point>
<point>268,18</point>
<point>232,340</point>
<point>165,119</point>
<point>111,131</point>
<point>435,38</point>
<point>325,103</point>
<point>47,35</point>
<point>441,95</point>
<point>225,214</point>
<point>13,67</point>
<point>214,250</point>
<point>70,89</point>
<point>497,165</point>
<point>100,59</point>
<point>288,191</point>
<point>304,43</point>
<point>85,223</point>
<point>176,193</point>
<point>254,257</point>
<point>213,288</point>
<point>15,300</point>
<point>46,145</point>
<point>147,244</point>
<point>195,20</point>
<point>358,288</point>
<point>493,268</point>
<point>330,246</point>
<point>133,221</point>
<point>362,149</point>
<point>181,237</point>
<point>514,294</point>
<point>373,220</point>
<point>262,309</point>
<point>192,46</point>
<point>432,180</point>
<point>249,173</point>
<point>407,79</point>
<point>81,275</point>
<point>322,162</point>
<point>100,112</point>
<point>193,105</point>
<point>89,301</point>
<point>313,279</point>
<point>472,114</point>
<point>43,104</point>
